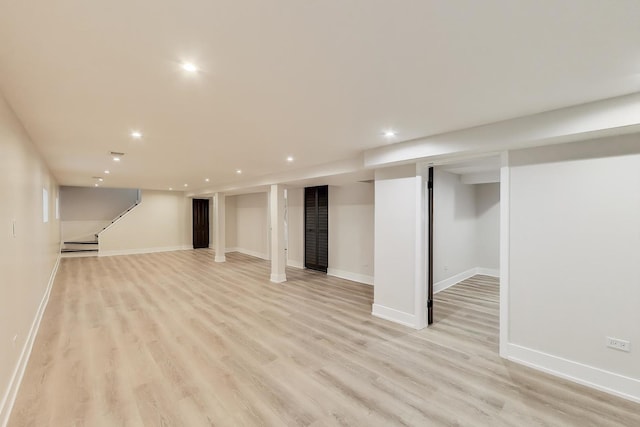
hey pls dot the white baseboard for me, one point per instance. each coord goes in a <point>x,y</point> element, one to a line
<point>278,278</point>
<point>102,253</point>
<point>220,258</point>
<point>447,283</point>
<point>249,252</point>
<point>493,272</point>
<point>9,398</point>
<point>360,278</point>
<point>609,382</point>
<point>406,319</point>
<point>295,264</point>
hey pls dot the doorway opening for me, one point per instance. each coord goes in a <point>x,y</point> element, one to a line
<point>465,248</point>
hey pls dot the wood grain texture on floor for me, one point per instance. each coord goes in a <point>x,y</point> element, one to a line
<point>175,339</point>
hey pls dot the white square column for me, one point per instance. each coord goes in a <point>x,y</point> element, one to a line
<point>219,226</point>
<point>278,253</point>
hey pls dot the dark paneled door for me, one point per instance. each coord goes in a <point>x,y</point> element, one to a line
<point>200,223</point>
<point>316,226</point>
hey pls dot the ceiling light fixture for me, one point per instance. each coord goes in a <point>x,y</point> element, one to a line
<point>107,172</point>
<point>136,134</point>
<point>116,159</point>
<point>290,159</point>
<point>95,185</point>
<point>206,180</point>
<point>190,67</point>
<point>390,133</point>
<point>186,185</point>
<point>238,171</point>
<point>100,179</point>
<point>170,188</point>
<point>116,156</point>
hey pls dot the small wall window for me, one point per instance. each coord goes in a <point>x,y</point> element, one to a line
<point>45,205</point>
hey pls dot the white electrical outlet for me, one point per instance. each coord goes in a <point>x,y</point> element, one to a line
<point>618,344</point>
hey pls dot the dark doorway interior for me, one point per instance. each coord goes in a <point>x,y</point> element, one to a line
<point>316,226</point>
<point>200,223</point>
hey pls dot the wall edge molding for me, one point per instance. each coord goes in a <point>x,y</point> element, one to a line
<point>453,280</point>
<point>9,398</point>
<point>393,315</point>
<point>354,277</point>
<point>144,250</point>
<point>590,376</point>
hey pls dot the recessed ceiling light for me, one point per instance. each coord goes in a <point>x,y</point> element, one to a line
<point>390,133</point>
<point>116,159</point>
<point>238,171</point>
<point>170,188</point>
<point>186,185</point>
<point>289,159</point>
<point>107,172</point>
<point>100,179</point>
<point>190,67</point>
<point>206,180</point>
<point>95,185</point>
<point>136,134</point>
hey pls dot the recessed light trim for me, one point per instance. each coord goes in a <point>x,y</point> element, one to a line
<point>170,188</point>
<point>96,185</point>
<point>107,172</point>
<point>238,171</point>
<point>290,159</point>
<point>186,185</point>
<point>206,180</point>
<point>136,134</point>
<point>116,158</point>
<point>390,133</point>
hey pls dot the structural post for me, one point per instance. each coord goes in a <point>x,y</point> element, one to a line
<point>278,254</point>
<point>219,224</point>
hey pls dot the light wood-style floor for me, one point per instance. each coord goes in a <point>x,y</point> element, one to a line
<point>174,339</point>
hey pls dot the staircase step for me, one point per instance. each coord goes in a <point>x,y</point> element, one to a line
<point>88,242</point>
<point>78,250</point>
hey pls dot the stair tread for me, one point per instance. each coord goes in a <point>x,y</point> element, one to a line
<point>86,242</point>
<point>79,250</point>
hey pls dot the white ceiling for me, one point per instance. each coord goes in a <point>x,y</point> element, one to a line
<point>318,80</point>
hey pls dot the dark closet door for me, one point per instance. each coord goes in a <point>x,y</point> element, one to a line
<point>316,226</point>
<point>200,223</point>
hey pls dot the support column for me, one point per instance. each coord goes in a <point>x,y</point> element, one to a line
<point>278,254</point>
<point>219,225</point>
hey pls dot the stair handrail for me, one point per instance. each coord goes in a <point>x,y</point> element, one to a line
<point>122,215</point>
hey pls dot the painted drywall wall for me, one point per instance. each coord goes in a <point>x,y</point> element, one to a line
<point>84,211</point>
<point>230,222</point>
<point>574,251</point>
<point>162,221</point>
<point>29,248</point>
<point>399,286</point>
<point>252,224</point>
<point>351,231</point>
<point>488,225</point>
<point>295,227</point>
<point>454,225</point>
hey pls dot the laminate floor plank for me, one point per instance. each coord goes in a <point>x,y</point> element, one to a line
<point>175,339</point>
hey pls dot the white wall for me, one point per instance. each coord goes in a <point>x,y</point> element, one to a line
<point>295,227</point>
<point>351,231</point>
<point>252,225</point>
<point>399,282</point>
<point>488,226</point>
<point>28,259</point>
<point>86,210</point>
<point>231,240</point>
<point>574,256</point>
<point>454,224</point>
<point>162,221</point>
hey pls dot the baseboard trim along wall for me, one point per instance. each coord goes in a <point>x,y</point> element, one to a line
<point>386,313</point>
<point>248,252</point>
<point>16,379</point>
<point>447,283</point>
<point>295,264</point>
<point>355,277</point>
<point>609,382</point>
<point>144,250</point>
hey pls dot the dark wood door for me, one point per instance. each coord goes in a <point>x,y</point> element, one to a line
<point>316,226</point>
<point>200,223</point>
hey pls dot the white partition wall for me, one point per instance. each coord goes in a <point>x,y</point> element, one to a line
<point>400,260</point>
<point>574,252</point>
